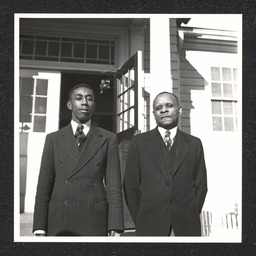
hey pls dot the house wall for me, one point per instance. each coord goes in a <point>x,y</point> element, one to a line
<point>222,148</point>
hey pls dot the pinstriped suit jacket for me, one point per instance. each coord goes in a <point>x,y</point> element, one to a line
<point>79,193</point>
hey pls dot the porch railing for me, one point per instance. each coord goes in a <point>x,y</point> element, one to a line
<point>211,222</point>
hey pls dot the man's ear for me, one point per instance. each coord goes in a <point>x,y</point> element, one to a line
<point>69,105</point>
<point>180,110</point>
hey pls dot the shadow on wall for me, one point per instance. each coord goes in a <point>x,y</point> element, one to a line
<point>190,80</point>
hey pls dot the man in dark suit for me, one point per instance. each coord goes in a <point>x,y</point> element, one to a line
<point>165,178</point>
<point>79,185</point>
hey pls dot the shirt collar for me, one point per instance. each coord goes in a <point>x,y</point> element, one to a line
<point>173,132</point>
<point>86,126</point>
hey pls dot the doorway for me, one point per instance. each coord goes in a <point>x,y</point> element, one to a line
<point>104,99</point>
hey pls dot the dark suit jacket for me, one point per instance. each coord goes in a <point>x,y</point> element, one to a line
<point>79,193</point>
<point>158,200</point>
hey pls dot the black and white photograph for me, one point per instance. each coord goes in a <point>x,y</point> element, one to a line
<point>128,128</point>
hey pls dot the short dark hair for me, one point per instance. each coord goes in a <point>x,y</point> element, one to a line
<point>177,99</point>
<point>79,86</point>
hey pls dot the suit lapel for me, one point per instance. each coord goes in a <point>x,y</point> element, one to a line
<point>68,142</point>
<point>94,142</point>
<point>152,145</point>
<point>182,149</point>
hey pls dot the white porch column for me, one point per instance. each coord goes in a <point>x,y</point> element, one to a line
<point>160,60</point>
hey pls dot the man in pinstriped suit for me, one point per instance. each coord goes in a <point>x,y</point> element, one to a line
<point>79,191</point>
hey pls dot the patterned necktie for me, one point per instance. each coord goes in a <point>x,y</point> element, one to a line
<point>79,135</point>
<point>167,139</point>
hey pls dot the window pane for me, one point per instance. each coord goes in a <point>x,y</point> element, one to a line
<point>25,118</point>
<point>217,123</point>
<point>216,89</point>
<point>41,86</point>
<point>226,73</point>
<point>40,48</point>
<point>229,125</point>
<point>126,103</point>
<point>79,50</point>
<point>235,92</point>
<point>104,52</point>
<point>91,51</point>
<point>227,90</point>
<point>227,108</point>
<point>216,107</point>
<point>235,108</point>
<point>40,105</point>
<point>132,118</point>
<point>27,86</point>
<point>26,104</point>
<point>215,73</point>
<point>39,123</point>
<point>235,74</point>
<point>77,40</point>
<point>132,97</point>
<point>53,49</point>
<point>121,103</point>
<point>126,120</point>
<point>121,123</point>
<point>27,47</point>
<point>66,50</point>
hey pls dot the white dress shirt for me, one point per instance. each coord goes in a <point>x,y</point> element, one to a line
<point>173,132</point>
<point>86,126</point>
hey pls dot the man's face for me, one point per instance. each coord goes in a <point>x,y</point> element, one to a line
<point>81,103</point>
<point>166,111</point>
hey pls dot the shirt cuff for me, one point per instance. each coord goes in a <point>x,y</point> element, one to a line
<point>39,232</point>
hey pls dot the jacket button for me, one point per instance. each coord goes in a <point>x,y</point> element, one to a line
<point>66,202</point>
<point>91,183</point>
<point>98,164</point>
<point>67,182</point>
<point>61,161</point>
<point>90,204</point>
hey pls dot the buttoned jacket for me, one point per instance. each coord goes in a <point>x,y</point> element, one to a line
<point>79,193</point>
<point>159,199</point>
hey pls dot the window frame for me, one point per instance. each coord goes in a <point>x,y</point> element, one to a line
<point>32,125</point>
<point>110,43</point>
<point>222,99</point>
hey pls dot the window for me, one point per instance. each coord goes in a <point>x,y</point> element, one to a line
<point>67,49</point>
<point>126,101</point>
<point>33,104</point>
<point>224,98</point>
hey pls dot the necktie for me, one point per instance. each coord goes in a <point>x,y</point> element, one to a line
<point>167,139</point>
<point>80,136</point>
